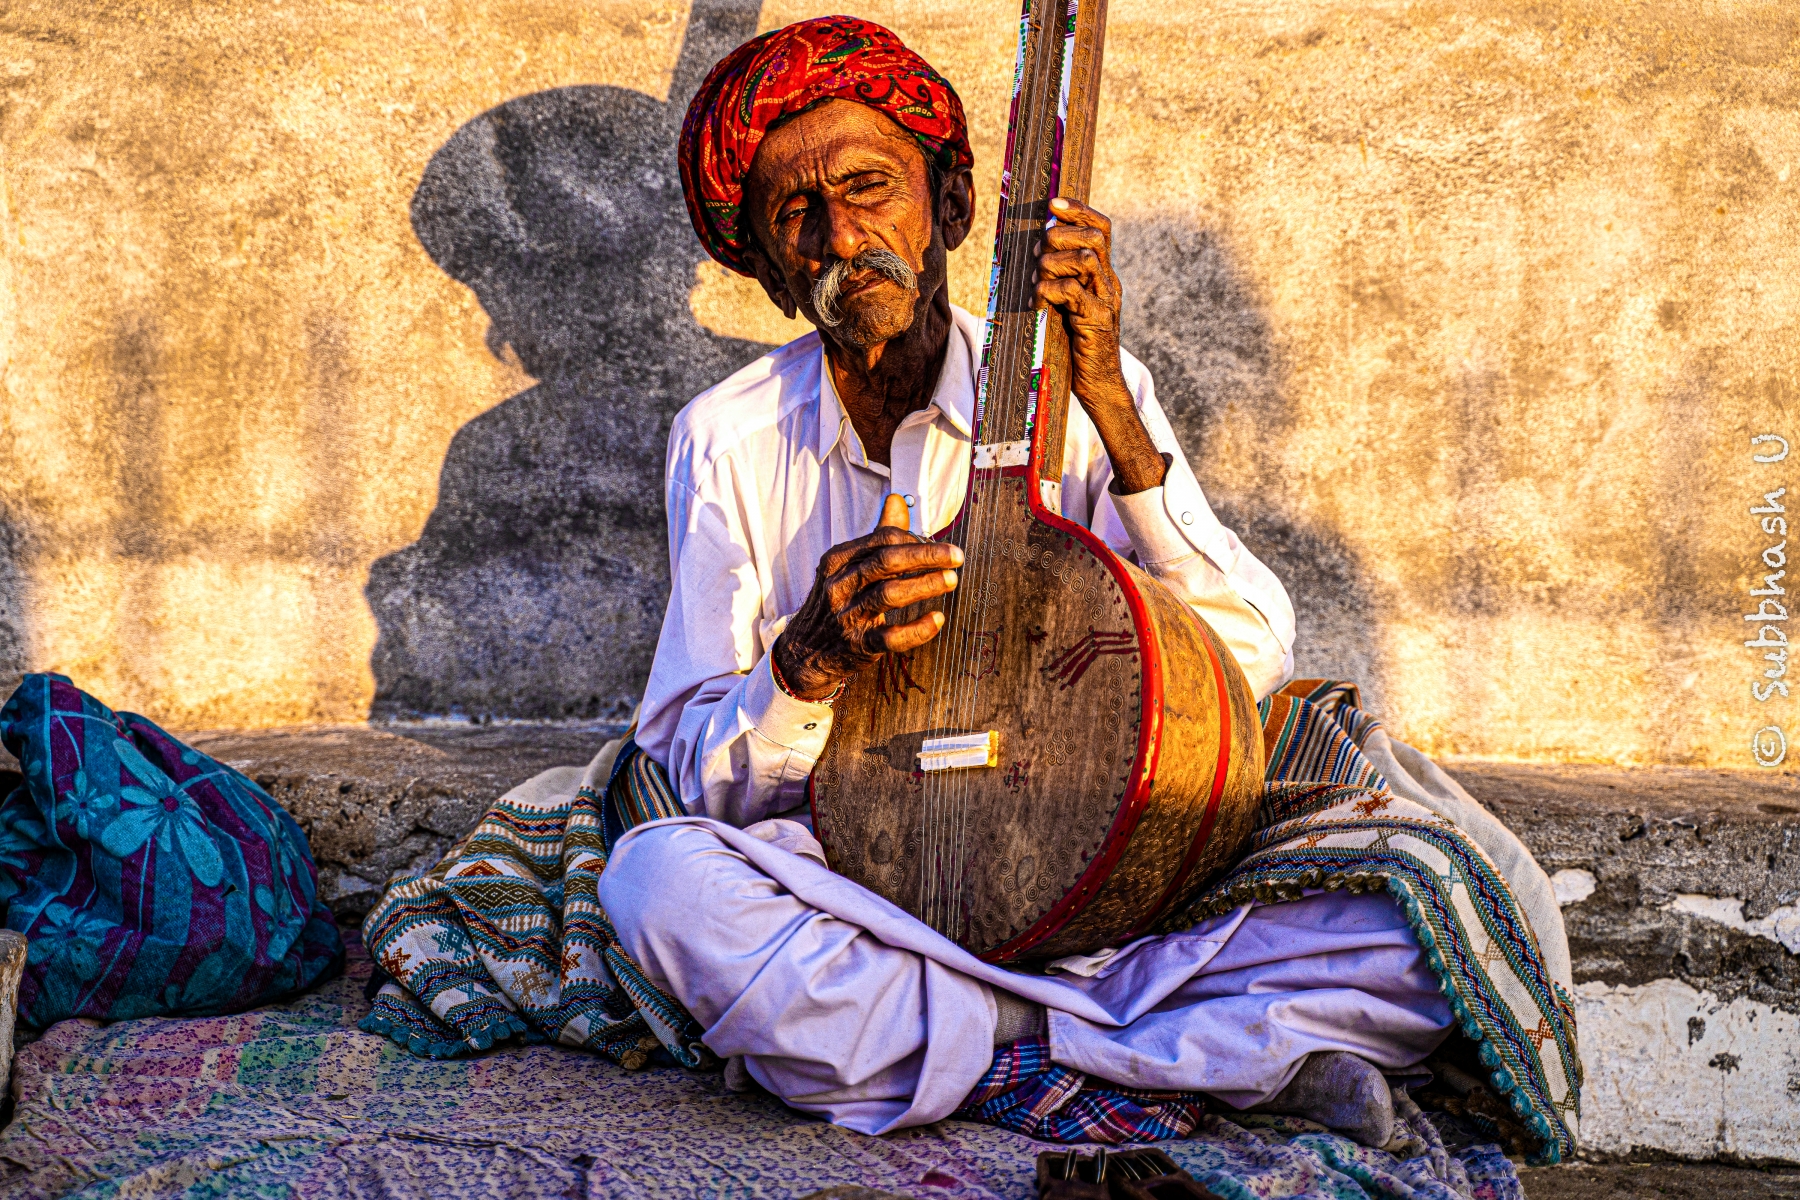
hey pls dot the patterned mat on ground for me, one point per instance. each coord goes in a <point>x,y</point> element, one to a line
<point>294,1101</point>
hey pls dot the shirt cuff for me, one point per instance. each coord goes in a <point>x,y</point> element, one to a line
<point>1174,521</point>
<point>800,725</point>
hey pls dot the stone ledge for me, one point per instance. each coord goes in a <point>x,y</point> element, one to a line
<point>378,799</point>
<point>1680,888</point>
<point>1649,836</point>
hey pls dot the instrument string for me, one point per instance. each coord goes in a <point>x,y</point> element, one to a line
<point>958,669</point>
<point>1028,322</point>
<point>1008,388</point>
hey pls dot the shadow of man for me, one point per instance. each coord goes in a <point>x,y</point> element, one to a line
<point>1201,322</point>
<point>538,586</point>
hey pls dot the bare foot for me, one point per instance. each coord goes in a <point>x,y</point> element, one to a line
<point>1342,1092</point>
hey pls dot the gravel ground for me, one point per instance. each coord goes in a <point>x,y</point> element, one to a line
<point>1659,1181</point>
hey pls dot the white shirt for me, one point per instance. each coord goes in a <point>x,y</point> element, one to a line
<point>766,473</point>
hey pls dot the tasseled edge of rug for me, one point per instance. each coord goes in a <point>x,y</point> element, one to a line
<point>409,1038</point>
<point>401,1021</point>
<point>1266,891</point>
<point>1500,1074</point>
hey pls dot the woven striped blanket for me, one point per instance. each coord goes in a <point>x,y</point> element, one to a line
<point>505,939</point>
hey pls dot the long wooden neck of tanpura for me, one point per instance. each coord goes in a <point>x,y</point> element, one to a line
<point>1050,151</point>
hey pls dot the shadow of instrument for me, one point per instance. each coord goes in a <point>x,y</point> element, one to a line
<point>1076,753</point>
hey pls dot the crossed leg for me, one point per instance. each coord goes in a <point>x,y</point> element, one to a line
<point>875,1037</point>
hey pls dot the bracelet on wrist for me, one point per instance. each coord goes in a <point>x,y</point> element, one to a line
<point>782,684</point>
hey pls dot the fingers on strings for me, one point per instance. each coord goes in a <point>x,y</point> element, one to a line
<point>910,589</point>
<point>898,639</point>
<point>839,558</point>
<point>895,562</point>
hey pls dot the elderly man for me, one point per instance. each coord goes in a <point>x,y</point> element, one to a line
<point>830,163</point>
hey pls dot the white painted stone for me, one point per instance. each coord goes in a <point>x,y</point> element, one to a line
<point>1672,1069</point>
<point>1572,886</point>
<point>1781,926</point>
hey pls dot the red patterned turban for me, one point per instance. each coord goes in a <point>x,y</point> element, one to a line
<point>785,72</point>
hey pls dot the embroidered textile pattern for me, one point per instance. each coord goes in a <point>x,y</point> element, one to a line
<point>149,878</point>
<point>785,72</point>
<point>1328,822</point>
<point>505,937</point>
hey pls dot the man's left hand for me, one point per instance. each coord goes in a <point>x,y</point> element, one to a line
<point>1075,276</point>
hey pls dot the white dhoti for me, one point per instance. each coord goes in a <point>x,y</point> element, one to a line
<point>843,1005</point>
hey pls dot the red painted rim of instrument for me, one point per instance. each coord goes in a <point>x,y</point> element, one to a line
<point>1143,765</point>
<point>1220,773</point>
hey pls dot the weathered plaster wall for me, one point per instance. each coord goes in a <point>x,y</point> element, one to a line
<point>1674,1071</point>
<point>340,338</point>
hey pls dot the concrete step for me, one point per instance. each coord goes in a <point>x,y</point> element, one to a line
<point>1681,895</point>
<point>1660,1181</point>
<point>1667,873</point>
<point>378,799</point>
<point>1680,890</point>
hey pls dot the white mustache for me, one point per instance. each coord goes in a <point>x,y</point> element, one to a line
<point>829,287</point>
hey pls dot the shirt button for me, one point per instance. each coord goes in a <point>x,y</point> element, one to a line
<point>910,501</point>
<point>1187,518</point>
<point>812,724</point>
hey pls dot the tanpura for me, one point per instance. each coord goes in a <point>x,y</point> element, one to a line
<point>1077,752</point>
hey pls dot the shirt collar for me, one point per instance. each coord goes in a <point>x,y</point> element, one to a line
<point>954,395</point>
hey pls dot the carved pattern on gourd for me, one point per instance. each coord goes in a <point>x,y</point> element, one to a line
<point>1071,664</point>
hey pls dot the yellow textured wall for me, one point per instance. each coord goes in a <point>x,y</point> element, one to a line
<point>1466,312</point>
<point>230,371</point>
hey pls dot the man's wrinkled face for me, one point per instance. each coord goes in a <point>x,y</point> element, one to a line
<point>839,199</point>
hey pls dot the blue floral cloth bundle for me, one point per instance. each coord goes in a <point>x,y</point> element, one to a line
<point>149,878</point>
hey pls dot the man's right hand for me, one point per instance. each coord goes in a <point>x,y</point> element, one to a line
<point>843,626</point>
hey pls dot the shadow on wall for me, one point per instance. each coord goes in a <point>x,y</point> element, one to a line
<point>538,586</point>
<point>1202,327</point>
